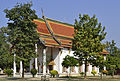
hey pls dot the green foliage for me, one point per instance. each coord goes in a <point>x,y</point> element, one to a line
<point>104,72</point>
<point>8,72</point>
<point>110,72</point>
<point>6,60</point>
<point>4,70</point>
<point>22,33</point>
<point>69,61</point>
<point>88,34</point>
<point>100,62</point>
<point>82,73</point>
<point>94,72</point>
<point>113,59</point>
<point>53,73</point>
<point>33,72</point>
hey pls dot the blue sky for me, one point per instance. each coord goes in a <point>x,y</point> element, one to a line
<point>107,12</point>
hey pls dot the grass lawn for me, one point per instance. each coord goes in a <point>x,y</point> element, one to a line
<point>10,79</point>
<point>95,80</point>
<point>17,80</point>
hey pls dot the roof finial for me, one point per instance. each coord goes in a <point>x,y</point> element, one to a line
<point>42,13</point>
<point>51,32</point>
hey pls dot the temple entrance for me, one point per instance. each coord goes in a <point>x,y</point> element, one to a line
<point>50,67</point>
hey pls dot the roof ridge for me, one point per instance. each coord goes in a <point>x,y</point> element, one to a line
<point>57,21</point>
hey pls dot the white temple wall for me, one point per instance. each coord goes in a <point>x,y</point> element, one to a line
<point>58,56</point>
<point>89,69</point>
<point>64,52</point>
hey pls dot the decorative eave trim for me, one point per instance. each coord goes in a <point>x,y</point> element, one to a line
<point>58,22</point>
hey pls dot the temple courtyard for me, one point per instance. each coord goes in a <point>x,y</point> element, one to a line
<point>89,78</point>
<point>60,80</point>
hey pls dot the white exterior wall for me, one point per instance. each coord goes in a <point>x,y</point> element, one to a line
<point>58,57</point>
<point>64,52</point>
<point>55,57</point>
<point>97,69</point>
<point>40,52</point>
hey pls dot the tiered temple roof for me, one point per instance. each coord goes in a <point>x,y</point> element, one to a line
<point>62,31</point>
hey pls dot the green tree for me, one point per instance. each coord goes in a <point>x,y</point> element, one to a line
<point>4,46</point>
<point>113,59</point>
<point>22,32</point>
<point>69,62</point>
<point>100,63</point>
<point>88,34</point>
<point>6,60</point>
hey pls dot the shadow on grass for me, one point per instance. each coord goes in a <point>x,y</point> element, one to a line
<point>14,78</point>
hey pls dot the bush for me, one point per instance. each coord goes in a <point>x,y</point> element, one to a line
<point>94,72</point>
<point>8,72</point>
<point>4,70</point>
<point>110,72</point>
<point>53,73</point>
<point>33,72</point>
<point>82,73</point>
<point>104,72</point>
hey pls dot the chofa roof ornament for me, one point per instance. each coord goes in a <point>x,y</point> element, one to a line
<point>48,27</point>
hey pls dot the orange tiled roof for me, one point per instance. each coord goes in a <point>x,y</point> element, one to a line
<point>62,31</point>
<point>104,52</point>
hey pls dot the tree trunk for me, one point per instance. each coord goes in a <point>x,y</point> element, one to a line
<point>23,69</point>
<point>113,74</point>
<point>85,76</point>
<point>101,76</point>
<point>70,72</point>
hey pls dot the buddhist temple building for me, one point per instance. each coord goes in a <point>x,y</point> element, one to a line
<point>55,43</point>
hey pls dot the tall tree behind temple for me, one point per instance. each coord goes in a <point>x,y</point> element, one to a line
<point>113,59</point>
<point>88,34</point>
<point>22,31</point>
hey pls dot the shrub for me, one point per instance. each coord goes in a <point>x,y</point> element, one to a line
<point>33,72</point>
<point>8,72</point>
<point>110,72</point>
<point>82,73</point>
<point>93,72</point>
<point>53,73</point>
<point>4,70</point>
<point>104,72</point>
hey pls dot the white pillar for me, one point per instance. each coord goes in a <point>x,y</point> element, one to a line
<point>104,59</point>
<point>31,62</point>
<point>36,67</point>
<point>40,60</point>
<point>59,60</point>
<point>44,61</point>
<point>14,66</point>
<point>97,69</point>
<point>21,68</point>
<point>48,70</point>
